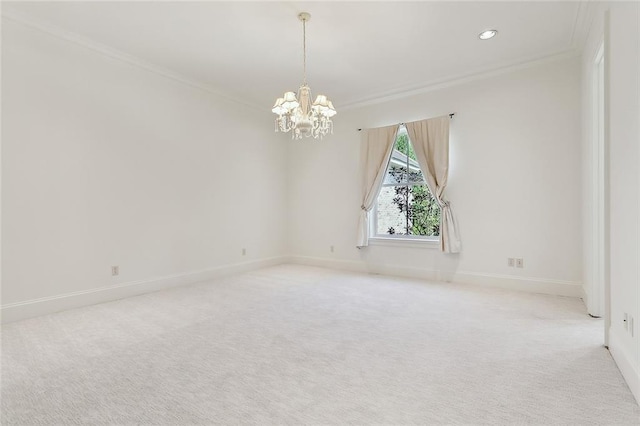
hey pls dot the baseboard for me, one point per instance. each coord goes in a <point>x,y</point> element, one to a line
<point>356,266</point>
<point>511,282</point>
<point>527,284</point>
<point>625,363</point>
<point>48,305</point>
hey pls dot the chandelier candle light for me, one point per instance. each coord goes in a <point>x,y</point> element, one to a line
<point>298,114</point>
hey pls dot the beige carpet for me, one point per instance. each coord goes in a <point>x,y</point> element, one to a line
<point>300,345</point>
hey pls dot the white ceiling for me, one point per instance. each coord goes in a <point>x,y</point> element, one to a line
<point>357,51</point>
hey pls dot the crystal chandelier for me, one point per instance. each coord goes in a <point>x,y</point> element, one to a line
<point>298,114</point>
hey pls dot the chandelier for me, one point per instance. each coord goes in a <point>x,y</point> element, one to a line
<point>297,114</point>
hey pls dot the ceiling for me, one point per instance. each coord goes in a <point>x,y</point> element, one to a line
<point>357,51</point>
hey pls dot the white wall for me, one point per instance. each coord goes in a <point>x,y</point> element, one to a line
<point>104,163</point>
<point>622,40</point>
<point>514,183</point>
<point>624,135</point>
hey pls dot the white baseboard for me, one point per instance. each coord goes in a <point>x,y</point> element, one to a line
<point>48,305</point>
<point>527,284</point>
<point>625,363</point>
<point>355,266</point>
<point>511,282</point>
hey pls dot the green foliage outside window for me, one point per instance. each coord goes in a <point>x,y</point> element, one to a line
<point>416,202</point>
<point>403,145</point>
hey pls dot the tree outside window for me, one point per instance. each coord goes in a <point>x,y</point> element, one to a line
<point>405,205</point>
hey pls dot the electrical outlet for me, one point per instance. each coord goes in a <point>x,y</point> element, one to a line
<point>244,251</point>
<point>331,248</point>
<point>511,262</point>
<point>115,270</point>
<point>519,263</point>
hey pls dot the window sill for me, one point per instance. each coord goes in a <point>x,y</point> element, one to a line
<point>404,242</point>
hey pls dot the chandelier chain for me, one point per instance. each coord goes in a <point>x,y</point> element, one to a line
<point>304,51</point>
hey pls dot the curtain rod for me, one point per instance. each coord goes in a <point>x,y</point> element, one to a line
<point>400,124</point>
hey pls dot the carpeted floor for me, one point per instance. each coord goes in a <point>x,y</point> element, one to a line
<point>301,345</point>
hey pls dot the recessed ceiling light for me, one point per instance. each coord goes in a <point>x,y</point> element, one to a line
<point>486,35</point>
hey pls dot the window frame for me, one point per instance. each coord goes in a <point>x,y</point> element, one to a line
<point>422,241</point>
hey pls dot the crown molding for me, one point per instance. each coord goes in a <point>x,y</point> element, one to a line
<point>584,17</point>
<point>462,79</point>
<point>121,56</point>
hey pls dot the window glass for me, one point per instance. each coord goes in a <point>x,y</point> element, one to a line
<point>405,205</point>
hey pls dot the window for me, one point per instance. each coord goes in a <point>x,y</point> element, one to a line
<point>405,207</point>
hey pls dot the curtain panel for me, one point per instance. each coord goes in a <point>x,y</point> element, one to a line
<point>430,139</point>
<point>376,147</point>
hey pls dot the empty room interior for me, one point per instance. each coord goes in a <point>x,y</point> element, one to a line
<point>320,212</point>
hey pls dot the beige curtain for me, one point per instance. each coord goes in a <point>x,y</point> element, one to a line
<point>430,139</point>
<point>376,146</point>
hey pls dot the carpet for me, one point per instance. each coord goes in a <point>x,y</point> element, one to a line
<point>301,345</point>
